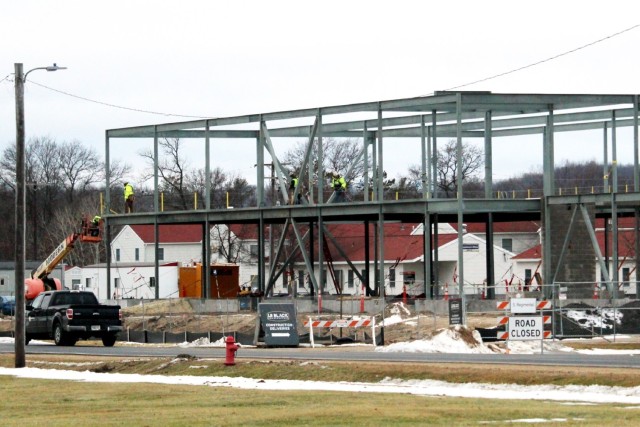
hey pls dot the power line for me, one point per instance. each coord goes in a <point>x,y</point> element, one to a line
<point>138,110</point>
<point>548,59</point>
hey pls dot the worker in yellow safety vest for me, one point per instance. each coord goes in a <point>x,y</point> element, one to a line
<point>339,186</point>
<point>293,184</point>
<point>128,198</point>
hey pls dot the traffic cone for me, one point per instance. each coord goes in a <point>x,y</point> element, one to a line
<point>446,292</point>
<point>595,291</point>
<point>404,294</point>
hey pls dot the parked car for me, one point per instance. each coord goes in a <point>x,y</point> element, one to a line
<point>8,305</point>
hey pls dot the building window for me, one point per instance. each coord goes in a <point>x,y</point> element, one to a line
<point>87,282</point>
<point>75,284</point>
<point>392,277</point>
<point>118,254</point>
<point>137,254</point>
<point>507,244</point>
<point>626,276</point>
<point>160,254</point>
<point>253,250</point>
<point>152,282</point>
<point>116,283</point>
<point>350,278</point>
<point>301,278</point>
<point>363,273</point>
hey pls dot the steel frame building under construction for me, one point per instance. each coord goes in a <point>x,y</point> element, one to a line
<point>452,115</point>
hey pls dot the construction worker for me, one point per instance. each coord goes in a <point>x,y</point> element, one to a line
<point>293,184</point>
<point>128,198</point>
<point>94,228</point>
<point>339,186</point>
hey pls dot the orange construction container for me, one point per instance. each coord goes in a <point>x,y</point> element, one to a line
<point>224,281</point>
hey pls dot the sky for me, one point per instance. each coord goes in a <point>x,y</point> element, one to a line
<point>200,58</point>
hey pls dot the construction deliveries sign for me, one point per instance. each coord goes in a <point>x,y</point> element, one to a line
<point>278,321</point>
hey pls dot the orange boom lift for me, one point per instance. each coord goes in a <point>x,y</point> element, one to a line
<point>40,281</point>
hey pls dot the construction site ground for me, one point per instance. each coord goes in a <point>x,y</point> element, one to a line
<point>402,323</point>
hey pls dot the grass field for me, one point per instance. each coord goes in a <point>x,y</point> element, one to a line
<point>27,402</point>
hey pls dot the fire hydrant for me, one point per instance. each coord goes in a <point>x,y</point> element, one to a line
<point>232,347</point>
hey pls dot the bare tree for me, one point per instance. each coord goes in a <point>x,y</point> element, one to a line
<point>230,246</point>
<point>217,179</point>
<point>80,167</point>
<point>338,155</point>
<point>173,170</point>
<point>447,169</point>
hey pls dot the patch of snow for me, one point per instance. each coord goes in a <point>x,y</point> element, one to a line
<point>597,318</point>
<point>203,342</point>
<point>596,394</point>
<point>443,341</point>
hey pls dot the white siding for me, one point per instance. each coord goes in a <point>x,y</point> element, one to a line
<point>134,282</point>
<point>126,242</point>
<point>185,253</point>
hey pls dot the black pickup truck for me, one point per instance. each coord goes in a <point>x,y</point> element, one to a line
<point>68,316</point>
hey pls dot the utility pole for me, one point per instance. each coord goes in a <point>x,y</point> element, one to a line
<point>20,79</point>
<point>20,360</point>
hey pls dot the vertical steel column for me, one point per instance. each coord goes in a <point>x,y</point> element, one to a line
<point>423,159</point>
<point>321,175</point>
<point>206,253</point>
<point>107,196</point>
<point>614,207</point>
<point>434,153</point>
<point>460,201</point>
<point>488,156</point>
<point>636,187</point>
<point>365,140</point>
<point>488,193</point>
<point>367,258</point>
<point>381,254</point>
<point>548,190</point>
<point>156,229</point>
<point>321,273</point>
<point>260,165</point>
<point>380,183</point>
<point>426,246</point>
<point>261,276</point>
<point>605,158</point>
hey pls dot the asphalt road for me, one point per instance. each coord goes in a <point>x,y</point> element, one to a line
<point>349,353</point>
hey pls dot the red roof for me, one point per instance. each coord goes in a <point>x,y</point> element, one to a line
<point>531,253</point>
<point>170,233</point>
<point>502,227</point>
<point>623,222</point>
<point>399,244</point>
<point>626,246</point>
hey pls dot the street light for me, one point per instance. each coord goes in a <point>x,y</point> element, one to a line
<point>20,79</point>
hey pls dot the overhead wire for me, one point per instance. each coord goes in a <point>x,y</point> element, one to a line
<point>551,58</point>
<point>524,67</point>
<point>137,110</point>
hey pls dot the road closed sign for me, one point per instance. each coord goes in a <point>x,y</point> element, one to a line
<point>525,328</point>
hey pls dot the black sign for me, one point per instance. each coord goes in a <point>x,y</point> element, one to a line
<point>455,311</point>
<point>278,321</point>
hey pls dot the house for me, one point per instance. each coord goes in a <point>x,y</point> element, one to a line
<point>131,280</point>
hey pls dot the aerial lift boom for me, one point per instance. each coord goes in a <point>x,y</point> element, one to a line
<point>90,231</point>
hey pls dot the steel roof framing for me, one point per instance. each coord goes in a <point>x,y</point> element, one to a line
<point>442,115</point>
